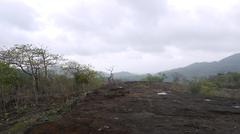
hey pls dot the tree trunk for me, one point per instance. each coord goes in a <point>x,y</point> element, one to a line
<point>82,88</point>
<point>35,88</point>
<point>45,69</point>
<point>3,101</point>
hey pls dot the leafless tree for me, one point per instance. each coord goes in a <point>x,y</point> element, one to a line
<point>48,59</point>
<point>111,75</point>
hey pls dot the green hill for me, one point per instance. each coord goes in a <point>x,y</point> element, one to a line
<point>205,69</point>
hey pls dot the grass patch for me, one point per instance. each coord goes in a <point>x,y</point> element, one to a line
<point>20,126</point>
<point>30,119</point>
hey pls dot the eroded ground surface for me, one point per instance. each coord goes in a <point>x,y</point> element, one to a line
<point>141,110</point>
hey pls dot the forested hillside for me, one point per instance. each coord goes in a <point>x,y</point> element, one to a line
<point>205,69</point>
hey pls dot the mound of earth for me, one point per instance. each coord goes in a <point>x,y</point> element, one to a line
<point>157,109</point>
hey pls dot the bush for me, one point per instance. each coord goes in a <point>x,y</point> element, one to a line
<point>203,87</point>
<point>155,78</point>
<point>228,80</point>
<point>215,84</point>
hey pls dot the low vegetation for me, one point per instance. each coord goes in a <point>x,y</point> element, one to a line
<point>155,78</point>
<point>219,85</point>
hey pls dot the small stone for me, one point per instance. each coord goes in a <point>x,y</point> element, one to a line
<point>237,107</point>
<point>162,93</point>
<point>107,127</point>
<point>116,118</point>
<point>207,100</point>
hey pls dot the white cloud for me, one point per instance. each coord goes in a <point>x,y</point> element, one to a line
<point>134,35</point>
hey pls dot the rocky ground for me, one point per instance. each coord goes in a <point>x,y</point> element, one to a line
<point>144,109</point>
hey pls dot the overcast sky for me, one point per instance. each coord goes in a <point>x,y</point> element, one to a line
<point>139,36</point>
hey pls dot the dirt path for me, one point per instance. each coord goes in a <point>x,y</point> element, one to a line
<point>144,111</point>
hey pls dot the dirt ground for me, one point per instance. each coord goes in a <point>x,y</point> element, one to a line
<point>158,109</point>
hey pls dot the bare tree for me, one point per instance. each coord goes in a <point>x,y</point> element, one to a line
<point>111,75</point>
<point>48,59</point>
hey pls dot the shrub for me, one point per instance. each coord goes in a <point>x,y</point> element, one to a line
<point>203,87</point>
<point>155,78</point>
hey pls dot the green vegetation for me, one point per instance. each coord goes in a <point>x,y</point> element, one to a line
<point>215,85</point>
<point>83,75</point>
<point>32,79</point>
<point>155,78</point>
<point>8,76</point>
<point>9,82</point>
<point>206,69</point>
<point>228,80</point>
<point>203,87</point>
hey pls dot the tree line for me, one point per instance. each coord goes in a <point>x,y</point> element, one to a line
<point>29,73</point>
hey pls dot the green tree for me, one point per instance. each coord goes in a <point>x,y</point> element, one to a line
<point>8,81</point>
<point>83,74</point>
<point>8,75</point>
<point>31,60</point>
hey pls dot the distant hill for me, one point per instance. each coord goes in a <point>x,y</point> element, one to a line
<point>202,69</point>
<point>205,69</point>
<point>126,76</point>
